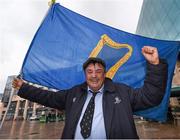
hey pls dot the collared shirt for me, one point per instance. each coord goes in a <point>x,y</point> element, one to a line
<point>98,127</point>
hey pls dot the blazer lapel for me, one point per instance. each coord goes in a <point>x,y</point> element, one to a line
<point>108,108</point>
<point>78,103</point>
<point>108,105</point>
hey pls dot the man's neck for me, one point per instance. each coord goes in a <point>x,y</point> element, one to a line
<point>100,90</point>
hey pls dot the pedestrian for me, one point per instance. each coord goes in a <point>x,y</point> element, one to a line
<point>100,108</point>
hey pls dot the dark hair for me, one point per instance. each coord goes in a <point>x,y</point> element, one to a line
<point>93,60</point>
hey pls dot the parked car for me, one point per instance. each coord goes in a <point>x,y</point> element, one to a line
<point>34,118</point>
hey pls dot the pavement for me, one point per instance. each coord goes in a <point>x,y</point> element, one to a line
<point>53,130</point>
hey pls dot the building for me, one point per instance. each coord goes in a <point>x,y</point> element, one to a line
<point>160,19</point>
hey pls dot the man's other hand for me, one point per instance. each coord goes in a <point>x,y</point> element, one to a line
<point>17,83</point>
<point>151,54</point>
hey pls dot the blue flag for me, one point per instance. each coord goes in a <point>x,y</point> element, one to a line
<point>66,39</point>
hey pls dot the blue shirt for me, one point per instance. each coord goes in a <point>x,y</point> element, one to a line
<point>98,128</point>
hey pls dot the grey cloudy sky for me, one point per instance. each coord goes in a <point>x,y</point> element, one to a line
<point>20,19</point>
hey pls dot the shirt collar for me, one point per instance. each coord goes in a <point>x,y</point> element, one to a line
<point>99,91</point>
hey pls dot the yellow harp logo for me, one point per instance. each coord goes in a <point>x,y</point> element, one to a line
<point>105,40</point>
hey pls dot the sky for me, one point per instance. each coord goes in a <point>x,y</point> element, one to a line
<point>20,19</point>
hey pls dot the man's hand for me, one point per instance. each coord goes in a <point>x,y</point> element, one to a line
<point>151,54</point>
<point>17,83</point>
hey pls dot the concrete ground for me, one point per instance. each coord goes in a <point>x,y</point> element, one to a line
<point>53,130</point>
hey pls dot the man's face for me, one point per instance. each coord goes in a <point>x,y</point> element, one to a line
<point>95,75</point>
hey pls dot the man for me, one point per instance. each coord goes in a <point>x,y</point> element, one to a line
<point>112,103</point>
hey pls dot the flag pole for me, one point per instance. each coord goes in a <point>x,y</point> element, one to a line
<point>51,2</point>
<point>7,109</point>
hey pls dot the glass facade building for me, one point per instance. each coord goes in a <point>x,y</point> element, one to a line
<point>160,19</point>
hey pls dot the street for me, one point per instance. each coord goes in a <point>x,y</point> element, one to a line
<point>53,130</point>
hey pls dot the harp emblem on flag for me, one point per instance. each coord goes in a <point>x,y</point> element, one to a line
<point>106,40</point>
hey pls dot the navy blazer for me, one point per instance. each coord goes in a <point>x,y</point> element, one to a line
<point>119,102</point>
